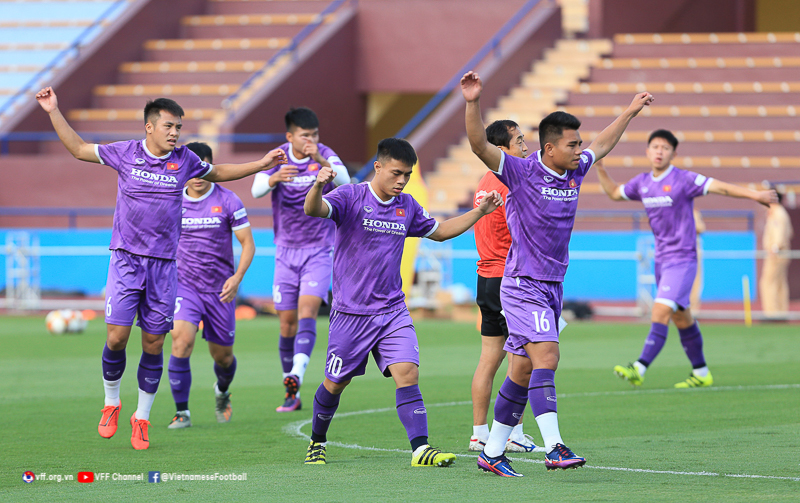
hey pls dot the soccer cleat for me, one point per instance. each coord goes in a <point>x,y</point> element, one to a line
<point>694,381</point>
<point>522,444</point>
<point>292,383</point>
<point>428,456</point>
<point>109,420</point>
<point>315,454</point>
<point>181,420</point>
<point>500,465</point>
<point>562,457</point>
<point>630,374</point>
<point>291,403</point>
<point>139,438</point>
<point>476,444</point>
<point>222,409</point>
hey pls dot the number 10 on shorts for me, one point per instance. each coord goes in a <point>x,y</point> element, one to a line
<point>541,322</point>
<point>334,365</point>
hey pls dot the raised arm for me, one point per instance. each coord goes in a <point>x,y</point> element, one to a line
<point>74,143</point>
<point>228,172</point>
<point>313,206</point>
<point>471,88</point>
<point>610,187</point>
<point>609,137</point>
<point>231,286</point>
<point>460,224</point>
<point>765,197</point>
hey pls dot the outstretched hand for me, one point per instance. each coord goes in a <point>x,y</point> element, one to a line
<point>471,86</point>
<point>274,158</point>
<point>47,99</point>
<point>640,101</point>
<point>490,202</point>
<point>767,197</point>
<point>325,175</point>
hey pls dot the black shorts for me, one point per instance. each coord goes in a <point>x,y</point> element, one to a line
<point>493,323</point>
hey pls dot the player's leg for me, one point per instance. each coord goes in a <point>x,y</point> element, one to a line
<point>179,369</point>
<point>692,342</point>
<point>492,355</point>
<point>219,330</point>
<point>397,355</point>
<point>156,315</point>
<point>285,293</point>
<point>350,339</point>
<point>123,293</point>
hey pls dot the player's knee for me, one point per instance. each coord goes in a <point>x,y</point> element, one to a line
<point>335,388</point>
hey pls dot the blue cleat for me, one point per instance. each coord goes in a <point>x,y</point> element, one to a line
<point>499,466</point>
<point>562,457</point>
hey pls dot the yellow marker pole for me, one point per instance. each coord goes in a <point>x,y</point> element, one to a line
<point>415,187</point>
<point>748,314</point>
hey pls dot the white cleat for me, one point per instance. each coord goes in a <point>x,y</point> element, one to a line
<point>476,444</point>
<point>523,444</point>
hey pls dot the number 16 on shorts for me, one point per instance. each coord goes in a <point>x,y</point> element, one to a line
<point>542,321</point>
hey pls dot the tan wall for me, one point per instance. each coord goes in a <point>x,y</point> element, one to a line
<point>777,15</point>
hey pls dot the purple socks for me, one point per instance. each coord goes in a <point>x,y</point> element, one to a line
<point>180,381</point>
<point>510,403</point>
<point>306,336</point>
<point>325,405</point>
<point>150,369</point>
<point>654,342</point>
<point>286,352</point>
<point>225,376</point>
<point>692,342</point>
<point>413,415</point>
<point>113,364</point>
<point>542,392</point>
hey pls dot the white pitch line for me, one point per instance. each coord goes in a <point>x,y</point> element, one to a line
<point>293,429</point>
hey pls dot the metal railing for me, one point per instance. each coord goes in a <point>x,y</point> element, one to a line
<point>105,137</point>
<point>307,30</point>
<point>60,58</point>
<point>492,46</point>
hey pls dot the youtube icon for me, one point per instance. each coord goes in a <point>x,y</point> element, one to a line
<point>86,477</point>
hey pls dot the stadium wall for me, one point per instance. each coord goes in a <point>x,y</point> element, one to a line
<point>586,279</point>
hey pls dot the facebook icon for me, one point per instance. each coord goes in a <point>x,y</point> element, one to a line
<point>154,477</point>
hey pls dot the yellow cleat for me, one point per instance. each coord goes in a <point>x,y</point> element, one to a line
<point>428,456</point>
<point>695,381</point>
<point>315,454</point>
<point>630,374</point>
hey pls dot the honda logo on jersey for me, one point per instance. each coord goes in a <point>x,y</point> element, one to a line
<point>172,166</point>
<point>400,212</point>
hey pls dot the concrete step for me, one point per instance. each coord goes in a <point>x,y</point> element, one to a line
<point>187,72</point>
<point>774,74</point>
<point>238,7</point>
<point>266,25</point>
<point>234,49</point>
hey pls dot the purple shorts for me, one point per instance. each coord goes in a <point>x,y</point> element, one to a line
<point>141,285</point>
<point>219,320</point>
<point>532,309</point>
<point>301,271</point>
<point>390,337</point>
<point>675,280</point>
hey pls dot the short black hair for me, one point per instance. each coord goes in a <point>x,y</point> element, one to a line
<point>202,150</point>
<point>152,110</point>
<point>665,134</point>
<point>397,149</point>
<point>302,117</point>
<point>499,132</point>
<point>552,127</point>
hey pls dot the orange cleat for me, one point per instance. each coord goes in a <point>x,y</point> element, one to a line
<point>139,438</point>
<point>108,422</point>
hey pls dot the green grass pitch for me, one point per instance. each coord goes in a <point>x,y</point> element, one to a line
<point>650,444</point>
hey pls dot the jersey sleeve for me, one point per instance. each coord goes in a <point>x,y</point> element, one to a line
<point>421,224</point>
<point>512,170</point>
<point>338,202</point>
<point>237,214</point>
<point>195,168</point>
<point>588,158</point>
<point>631,191</point>
<point>112,153</point>
<point>696,185</point>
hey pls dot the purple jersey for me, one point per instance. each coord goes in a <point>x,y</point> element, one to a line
<point>540,211</point>
<point>293,228</point>
<point>668,201</point>
<point>205,250</point>
<point>149,193</point>
<point>370,234</point>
